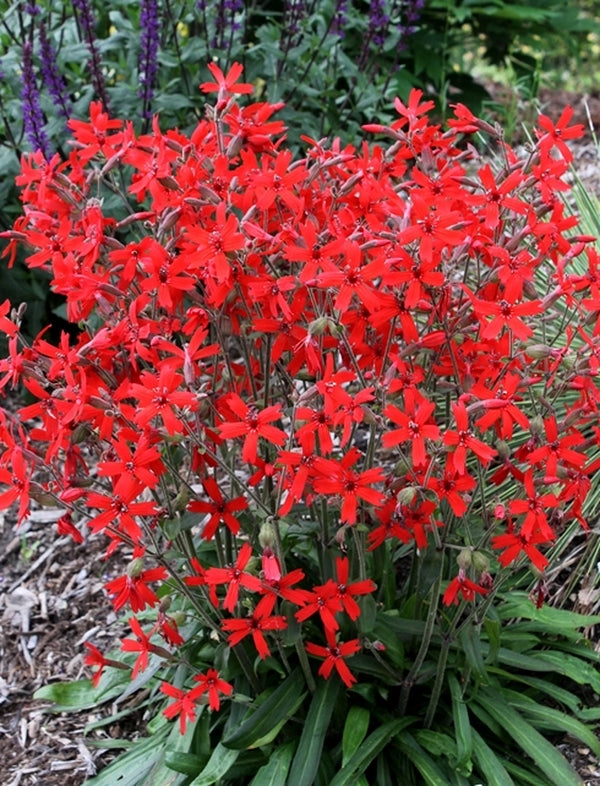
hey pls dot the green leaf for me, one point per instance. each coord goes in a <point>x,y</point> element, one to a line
<point>555,720</point>
<point>69,696</point>
<point>545,755</point>
<point>306,760</point>
<point>275,772</point>
<point>489,764</point>
<point>470,640</point>
<point>133,768</point>
<point>462,727</point>
<point>492,629</point>
<point>368,750</point>
<point>217,766</point>
<point>275,710</point>
<point>432,774</point>
<point>185,763</point>
<point>546,619</point>
<point>571,666</point>
<point>355,729</point>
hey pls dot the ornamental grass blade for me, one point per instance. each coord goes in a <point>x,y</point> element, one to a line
<point>544,754</point>
<point>308,755</point>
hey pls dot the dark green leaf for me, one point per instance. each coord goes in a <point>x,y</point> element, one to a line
<point>306,761</point>
<point>275,772</point>
<point>368,750</point>
<point>278,707</point>
<point>546,756</point>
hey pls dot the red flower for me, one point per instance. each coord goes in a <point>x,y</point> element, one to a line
<point>140,644</point>
<point>514,544</point>
<point>463,440</point>
<point>95,658</point>
<point>226,84</point>
<point>463,587</point>
<point>555,135</point>
<point>221,511</point>
<point>334,654</point>
<point>253,424</point>
<point>336,477</point>
<point>415,426</point>
<point>346,592</point>
<point>534,507</point>
<point>324,600</point>
<point>184,705</point>
<point>210,246</point>
<point>158,396</point>
<point>234,577</point>
<point>253,626</point>
<point>212,684</point>
<point>133,589</point>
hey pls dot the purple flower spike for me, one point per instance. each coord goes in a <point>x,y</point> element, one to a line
<point>51,75</point>
<point>147,62</point>
<point>340,17</point>
<point>33,117</point>
<point>87,25</point>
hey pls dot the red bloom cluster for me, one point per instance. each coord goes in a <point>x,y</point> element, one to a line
<point>360,332</point>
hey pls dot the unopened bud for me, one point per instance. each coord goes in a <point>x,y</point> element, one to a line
<point>267,536</point>
<point>318,326</point>
<point>402,467</point>
<point>178,618</point>
<point>539,351</point>
<point>406,495</point>
<point>465,559</point>
<point>135,567</point>
<point>536,426</point>
<point>480,562</point>
<point>503,449</point>
<point>165,604</point>
<point>181,500</point>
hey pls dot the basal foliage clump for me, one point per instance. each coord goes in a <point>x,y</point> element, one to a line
<point>332,407</point>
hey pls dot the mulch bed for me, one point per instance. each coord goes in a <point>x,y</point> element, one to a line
<point>52,601</point>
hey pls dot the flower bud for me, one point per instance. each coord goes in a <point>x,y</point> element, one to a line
<point>481,563</point>
<point>406,495</point>
<point>318,326</point>
<point>539,351</point>
<point>180,502</point>
<point>503,449</point>
<point>165,604</point>
<point>135,567</point>
<point>500,511</point>
<point>465,559</point>
<point>267,536</point>
<point>536,426</point>
<point>178,618</point>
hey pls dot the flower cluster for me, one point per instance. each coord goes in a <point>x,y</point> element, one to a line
<point>284,368</point>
